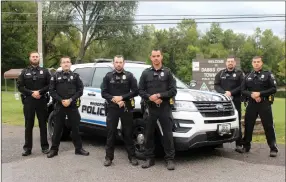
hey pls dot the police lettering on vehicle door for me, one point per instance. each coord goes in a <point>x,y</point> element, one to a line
<point>94,108</point>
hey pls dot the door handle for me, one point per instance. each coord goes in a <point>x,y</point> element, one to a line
<point>91,94</point>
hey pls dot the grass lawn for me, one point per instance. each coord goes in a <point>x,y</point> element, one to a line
<point>12,110</point>
<point>278,109</point>
<point>12,113</point>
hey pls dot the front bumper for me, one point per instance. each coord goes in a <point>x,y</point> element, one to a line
<point>204,139</point>
<point>194,130</point>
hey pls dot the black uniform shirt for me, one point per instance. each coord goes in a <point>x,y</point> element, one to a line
<point>157,81</point>
<point>33,78</point>
<point>119,84</point>
<point>260,81</point>
<point>66,85</point>
<point>229,81</point>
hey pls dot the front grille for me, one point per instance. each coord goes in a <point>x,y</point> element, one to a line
<point>208,108</point>
<point>214,136</point>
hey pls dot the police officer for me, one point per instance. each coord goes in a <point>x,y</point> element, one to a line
<point>228,82</point>
<point>157,86</point>
<point>118,88</point>
<point>33,83</point>
<point>66,88</point>
<point>259,87</point>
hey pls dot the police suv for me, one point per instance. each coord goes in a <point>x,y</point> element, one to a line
<point>200,118</point>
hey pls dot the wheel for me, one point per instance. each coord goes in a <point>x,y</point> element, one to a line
<point>139,138</point>
<point>51,124</point>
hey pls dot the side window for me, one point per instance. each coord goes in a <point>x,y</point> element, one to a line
<point>99,75</point>
<point>85,75</point>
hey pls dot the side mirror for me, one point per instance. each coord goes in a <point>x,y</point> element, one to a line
<point>193,83</point>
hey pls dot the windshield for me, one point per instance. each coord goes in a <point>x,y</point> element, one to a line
<point>137,71</point>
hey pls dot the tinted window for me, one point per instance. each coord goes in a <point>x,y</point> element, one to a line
<point>98,76</point>
<point>137,71</point>
<point>85,75</point>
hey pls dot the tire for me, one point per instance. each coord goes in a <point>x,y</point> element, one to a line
<point>139,138</point>
<point>51,121</point>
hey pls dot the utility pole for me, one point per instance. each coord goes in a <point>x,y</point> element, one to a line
<point>40,31</point>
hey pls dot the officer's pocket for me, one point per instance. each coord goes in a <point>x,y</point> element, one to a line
<point>149,81</point>
<point>41,76</point>
<point>60,80</point>
<point>125,83</point>
<point>263,81</point>
<point>28,78</point>
<point>163,82</point>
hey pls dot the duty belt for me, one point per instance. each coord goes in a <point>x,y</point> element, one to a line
<point>262,99</point>
<point>154,105</point>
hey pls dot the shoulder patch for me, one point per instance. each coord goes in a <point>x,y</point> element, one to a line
<point>272,76</point>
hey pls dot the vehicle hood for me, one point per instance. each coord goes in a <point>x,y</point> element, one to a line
<point>192,95</point>
<point>198,95</point>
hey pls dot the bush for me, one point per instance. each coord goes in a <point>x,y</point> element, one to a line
<point>280,94</point>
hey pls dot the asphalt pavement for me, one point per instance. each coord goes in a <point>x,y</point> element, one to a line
<point>221,165</point>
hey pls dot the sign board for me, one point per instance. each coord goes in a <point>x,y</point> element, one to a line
<point>205,70</point>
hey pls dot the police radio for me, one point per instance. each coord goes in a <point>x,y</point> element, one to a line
<point>271,98</point>
<point>132,103</point>
<point>172,102</point>
<point>78,102</point>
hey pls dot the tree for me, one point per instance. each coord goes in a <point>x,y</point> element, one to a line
<point>18,34</point>
<point>57,20</point>
<point>101,20</point>
<point>215,34</point>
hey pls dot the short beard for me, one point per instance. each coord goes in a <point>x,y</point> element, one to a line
<point>34,64</point>
<point>230,68</point>
<point>119,70</point>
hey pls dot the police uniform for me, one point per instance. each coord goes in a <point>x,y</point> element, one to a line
<point>263,82</point>
<point>33,79</point>
<point>160,81</point>
<point>226,80</point>
<point>66,85</point>
<point>119,84</point>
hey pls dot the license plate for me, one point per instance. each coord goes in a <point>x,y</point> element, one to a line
<point>223,129</point>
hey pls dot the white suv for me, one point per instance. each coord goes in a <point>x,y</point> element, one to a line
<point>200,118</point>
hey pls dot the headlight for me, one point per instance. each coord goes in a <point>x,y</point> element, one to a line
<point>185,106</point>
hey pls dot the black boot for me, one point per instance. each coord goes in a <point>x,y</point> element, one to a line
<point>26,152</point>
<point>273,153</point>
<point>45,151</point>
<point>52,153</point>
<point>170,165</point>
<point>243,150</point>
<point>107,162</point>
<point>133,161</point>
<point>239,148</point>
<point>81,152</point>
<point>148,163</point>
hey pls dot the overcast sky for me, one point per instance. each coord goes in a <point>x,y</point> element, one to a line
<point>217,8</point>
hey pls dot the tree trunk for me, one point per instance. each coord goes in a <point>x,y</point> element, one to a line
<point>82,49</point>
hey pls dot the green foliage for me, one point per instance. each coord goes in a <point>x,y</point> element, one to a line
<point>17,41</point>
<point>85,31</point>
<point>281,94</point>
